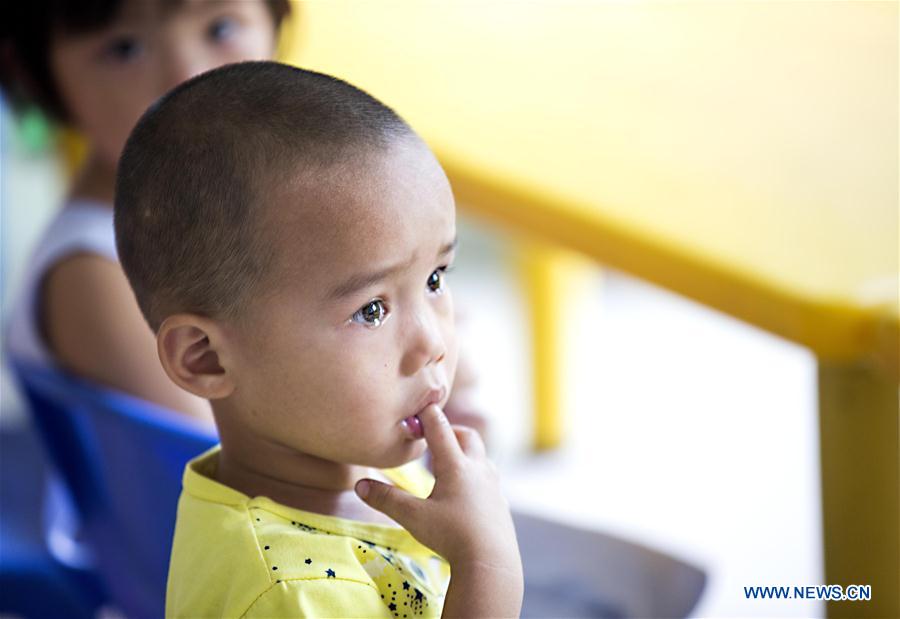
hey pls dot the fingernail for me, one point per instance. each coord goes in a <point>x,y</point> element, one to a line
<point>362,488</point>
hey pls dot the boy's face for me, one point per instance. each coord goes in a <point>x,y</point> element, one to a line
<point>330,362</point>
<point>107,78</point>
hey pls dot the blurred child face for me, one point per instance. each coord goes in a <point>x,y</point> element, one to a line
<point>356,333</point>
<point>107,78</point>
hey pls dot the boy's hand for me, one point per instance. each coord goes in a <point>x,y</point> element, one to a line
<point>466,519</point>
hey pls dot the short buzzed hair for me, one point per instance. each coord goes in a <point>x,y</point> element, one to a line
<point>197,171</point>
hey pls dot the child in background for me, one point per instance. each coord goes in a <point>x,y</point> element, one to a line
<point>96,66</point>
<point>287,237</point>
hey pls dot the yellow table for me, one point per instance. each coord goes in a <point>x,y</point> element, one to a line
<point>741,154</point>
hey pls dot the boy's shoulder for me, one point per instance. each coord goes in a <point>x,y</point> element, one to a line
<point>234,555</point>
<point>234,561</point>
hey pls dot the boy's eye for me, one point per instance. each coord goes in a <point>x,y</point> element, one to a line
<point>221,29</point>
<point>371,314</point>
<point>436,279</point>
<point>123,49</point>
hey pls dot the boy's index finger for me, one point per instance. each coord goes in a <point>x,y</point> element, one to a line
<point>439,435</point>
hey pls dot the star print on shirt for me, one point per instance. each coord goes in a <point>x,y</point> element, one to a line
<point>405,585</point>
<point>329,573</point>
<point>392,606</point>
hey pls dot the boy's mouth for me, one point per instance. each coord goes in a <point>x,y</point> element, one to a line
<point>412,424</point>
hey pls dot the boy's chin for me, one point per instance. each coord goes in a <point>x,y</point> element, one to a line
<point>402,454</point>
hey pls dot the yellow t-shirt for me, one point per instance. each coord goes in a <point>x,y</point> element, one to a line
<point>234,556</point>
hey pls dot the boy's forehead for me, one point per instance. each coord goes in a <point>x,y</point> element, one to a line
<point>384,207</point>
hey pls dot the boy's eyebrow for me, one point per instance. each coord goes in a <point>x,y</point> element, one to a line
<point>364,280</point>
<point>446,249</point>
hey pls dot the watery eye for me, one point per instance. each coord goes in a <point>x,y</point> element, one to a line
<point>436,280</point>
<point>371,314</point>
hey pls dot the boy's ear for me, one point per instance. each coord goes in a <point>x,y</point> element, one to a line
<point>194,353</point>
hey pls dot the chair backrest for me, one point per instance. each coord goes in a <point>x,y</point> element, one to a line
<point>123,459</point>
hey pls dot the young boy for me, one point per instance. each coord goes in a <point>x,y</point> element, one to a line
<point>287,238</point>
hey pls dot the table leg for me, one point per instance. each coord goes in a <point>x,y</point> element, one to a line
<point>553,281</point>
<point>860,451</point>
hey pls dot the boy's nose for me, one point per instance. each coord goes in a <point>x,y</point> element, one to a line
<point>426,345</point>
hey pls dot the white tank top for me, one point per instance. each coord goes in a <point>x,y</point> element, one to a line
<point>80,227</point>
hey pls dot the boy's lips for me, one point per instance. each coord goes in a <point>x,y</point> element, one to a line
<point>413,427</point>
<point>412,424</point>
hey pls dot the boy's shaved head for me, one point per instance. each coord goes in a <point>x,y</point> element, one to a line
<point>200,166</point>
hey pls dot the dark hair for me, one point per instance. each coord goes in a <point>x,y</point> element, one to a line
<point>26,31</point>
<point>196,172</point>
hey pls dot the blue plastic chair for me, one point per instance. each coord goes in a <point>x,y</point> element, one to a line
<point>35,583</point>
<point>122,459</point>
<point>36,586</point>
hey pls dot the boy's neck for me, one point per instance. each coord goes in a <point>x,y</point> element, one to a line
<point>302,481</point>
